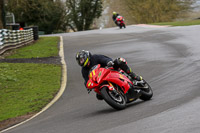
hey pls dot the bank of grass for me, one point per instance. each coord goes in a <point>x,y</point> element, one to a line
<point>180,23</point>
<point>44,47</point>
<point>26,88</point>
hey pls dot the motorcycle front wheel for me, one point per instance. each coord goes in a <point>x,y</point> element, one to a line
<point>114,99</point>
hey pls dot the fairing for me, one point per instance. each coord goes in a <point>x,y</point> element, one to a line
<point>100,75</point>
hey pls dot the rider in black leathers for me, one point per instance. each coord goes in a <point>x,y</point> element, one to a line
<point>115,15</point>
<point>87,61</point>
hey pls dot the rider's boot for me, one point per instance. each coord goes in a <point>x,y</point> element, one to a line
<point>139,81</point>
<point>135,77</point>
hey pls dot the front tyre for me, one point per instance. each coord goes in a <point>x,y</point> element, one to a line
<point>114,99</point>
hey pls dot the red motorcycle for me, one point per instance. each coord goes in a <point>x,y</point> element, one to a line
<point>116,88</point>
<point>120,22</point>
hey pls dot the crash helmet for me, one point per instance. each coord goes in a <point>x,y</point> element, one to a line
<point>114,13</point>
<point>83,57</point>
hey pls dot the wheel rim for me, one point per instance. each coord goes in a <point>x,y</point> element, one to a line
<point>116,97</point>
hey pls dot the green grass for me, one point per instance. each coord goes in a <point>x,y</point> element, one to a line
<point>26,87</point>
<point>44,47</point>
<point>179,23</point>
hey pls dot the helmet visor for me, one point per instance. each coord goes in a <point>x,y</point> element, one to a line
<point>81,61</point>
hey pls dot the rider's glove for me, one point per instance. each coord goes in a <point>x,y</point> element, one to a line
<point>110,64</point>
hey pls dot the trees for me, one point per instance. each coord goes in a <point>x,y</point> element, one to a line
<point>149,11</point>
<point>1,18</point>
<point>2,14</point>
<point>47,14</point>
<point>54,15</point>
<point>81,13</point>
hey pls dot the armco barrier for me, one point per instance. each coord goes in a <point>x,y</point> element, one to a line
<point>10,39</point>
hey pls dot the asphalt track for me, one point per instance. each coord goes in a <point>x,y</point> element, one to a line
<point>167,57</point>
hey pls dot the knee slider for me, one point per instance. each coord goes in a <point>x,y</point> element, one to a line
<point>121,61</point>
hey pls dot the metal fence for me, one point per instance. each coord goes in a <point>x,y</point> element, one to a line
<point>10,39</point>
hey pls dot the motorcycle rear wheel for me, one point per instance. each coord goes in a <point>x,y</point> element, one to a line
<point>147,92</point>
<point>124,25</point>
<point>116,101</point>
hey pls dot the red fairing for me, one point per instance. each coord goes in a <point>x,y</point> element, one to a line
<point>119,79</point>
<point>98,75</point>
<point>120,19</point>
<point>91,84</point>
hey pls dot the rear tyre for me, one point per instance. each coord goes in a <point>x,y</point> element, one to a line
<point>115,100</point>
<point>146,92</point>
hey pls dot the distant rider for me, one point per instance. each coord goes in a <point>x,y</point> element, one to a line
<point>114,17</point>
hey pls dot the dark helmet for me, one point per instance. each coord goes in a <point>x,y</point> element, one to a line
<point>83,57</point>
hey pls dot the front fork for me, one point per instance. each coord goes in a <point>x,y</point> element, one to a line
<point>117,91</point>
<point>114,91</point>
<point>110,87</point>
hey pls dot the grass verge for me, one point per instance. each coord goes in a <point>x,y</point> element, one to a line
<point>25,88</point>
<point>180,23</point>
<point>44,47</point>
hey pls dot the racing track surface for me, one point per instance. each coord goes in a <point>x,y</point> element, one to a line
<point>167,57</point>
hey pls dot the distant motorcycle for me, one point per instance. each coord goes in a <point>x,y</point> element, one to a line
<point>116,88</point>
<point>120,22</point>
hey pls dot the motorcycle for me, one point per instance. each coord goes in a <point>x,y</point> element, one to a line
<point>120,22</point>
<point>116,88</point>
